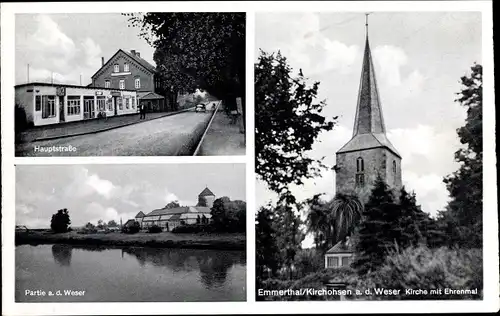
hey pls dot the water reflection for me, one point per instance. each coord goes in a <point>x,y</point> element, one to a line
<point>212,265</point>
<point>62,254</point>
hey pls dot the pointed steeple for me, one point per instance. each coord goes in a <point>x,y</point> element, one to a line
<point>369,127</point>
<point>369,118</point>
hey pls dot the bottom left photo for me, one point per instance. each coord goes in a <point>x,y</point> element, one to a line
<point>130,233</point>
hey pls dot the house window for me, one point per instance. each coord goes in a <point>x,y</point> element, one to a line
<point>73,105</point>
<point>107,84</point>
<point>332,262</point>
<point>137,83</point>
<point>127,106</point>
<point>345,261</point>
<point>125,68</point>
<point>117,68</point>
<point>38,103</point>
<point>120,103</point>
<point>48,106</point>
<point>101,103</point>
<point>360,180</point>
<point>122,84</point>
<point>360,165</point>
<point>394,166</point>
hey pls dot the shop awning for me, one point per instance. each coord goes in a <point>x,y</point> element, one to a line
<point>149,96</point>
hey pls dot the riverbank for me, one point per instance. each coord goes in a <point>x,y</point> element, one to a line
<point>117,239</point>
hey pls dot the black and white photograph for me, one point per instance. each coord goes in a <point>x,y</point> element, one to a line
<point>131,84</point>
<point>130,233</point>
<point>368,144</point>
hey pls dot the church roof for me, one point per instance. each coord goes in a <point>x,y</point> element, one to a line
<point>369,126</point>
<point>206,192</point>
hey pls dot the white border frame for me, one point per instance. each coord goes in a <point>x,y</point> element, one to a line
<point>490,250</point>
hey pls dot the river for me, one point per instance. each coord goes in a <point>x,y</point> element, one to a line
<point>133,274</point>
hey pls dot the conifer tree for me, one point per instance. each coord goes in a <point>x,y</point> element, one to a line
<point>377,232</point>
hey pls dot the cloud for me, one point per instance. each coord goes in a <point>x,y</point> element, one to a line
<point>102,187</point>
<point>92,51</point>
<point>301,40</point>
<point>390,59</point>
<point>50,39</point>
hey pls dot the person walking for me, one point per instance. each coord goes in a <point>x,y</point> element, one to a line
<point>142,111</point>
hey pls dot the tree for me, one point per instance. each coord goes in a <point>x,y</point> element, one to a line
<point>202,50</point>
<point>287,122</point>
<point>60,222</point>
<point>347,211</point>
<point>267,253</point>
<point>289,235</point>
<point>228,216</point>
<point>173,204</point>
<point>319,222</point>
<point>463,217</point>
<point>112,223</point>
<point>377,231</point>
<point>101,224</point>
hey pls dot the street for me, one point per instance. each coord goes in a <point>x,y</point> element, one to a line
<point>169,136</point>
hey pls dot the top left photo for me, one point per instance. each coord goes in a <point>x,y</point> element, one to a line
<point>130,84</point>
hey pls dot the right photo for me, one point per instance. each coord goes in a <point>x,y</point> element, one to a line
<point>368,156</point>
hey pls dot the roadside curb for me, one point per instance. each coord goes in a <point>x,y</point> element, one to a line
<point>107,128</point>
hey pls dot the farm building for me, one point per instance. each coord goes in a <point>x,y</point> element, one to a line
<point>170,217</point>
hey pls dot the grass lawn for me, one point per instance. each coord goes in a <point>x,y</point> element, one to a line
<point>163,239</point>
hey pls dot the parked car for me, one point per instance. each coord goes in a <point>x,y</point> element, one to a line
<point>201,107</point>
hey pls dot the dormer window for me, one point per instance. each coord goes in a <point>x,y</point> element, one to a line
<point>125,68</point>
<point>117,68</point>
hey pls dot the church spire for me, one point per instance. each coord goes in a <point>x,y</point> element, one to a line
<point>369,118</point>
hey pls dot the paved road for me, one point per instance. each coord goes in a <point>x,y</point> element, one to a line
<point>168,136</point>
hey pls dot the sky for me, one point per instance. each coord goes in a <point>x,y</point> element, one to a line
<point>70,45</point>
<point>419,59</point>
<point>111,192</point>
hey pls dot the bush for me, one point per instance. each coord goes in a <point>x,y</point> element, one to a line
<point>424,268</point>
<point>193,228</point>
<point>154,229</point>
<point>134,228</point>
<point>20,119</point>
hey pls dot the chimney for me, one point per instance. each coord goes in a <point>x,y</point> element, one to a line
<point>137,54</point>
<point>102,61</point>
<point>133,52</point>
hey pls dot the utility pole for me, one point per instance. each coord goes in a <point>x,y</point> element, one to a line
<point>52,77</point>
<point>28,73</point>
<point>80,79</point>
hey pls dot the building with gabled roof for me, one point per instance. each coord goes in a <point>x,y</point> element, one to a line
<point>128,70</point>
<point>170,217</point>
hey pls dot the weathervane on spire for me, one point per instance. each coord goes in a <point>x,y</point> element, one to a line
<point>366,22</point>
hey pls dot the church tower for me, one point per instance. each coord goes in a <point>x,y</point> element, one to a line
<point>369,152</point>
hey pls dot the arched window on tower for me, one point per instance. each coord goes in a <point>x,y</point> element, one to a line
<point>360,168</point>
<point>360,165</point>
<point>394,166</point>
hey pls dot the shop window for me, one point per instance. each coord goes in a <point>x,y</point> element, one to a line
<point>38,103</point>
<point>73,105</point>
<point>48,106</point>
